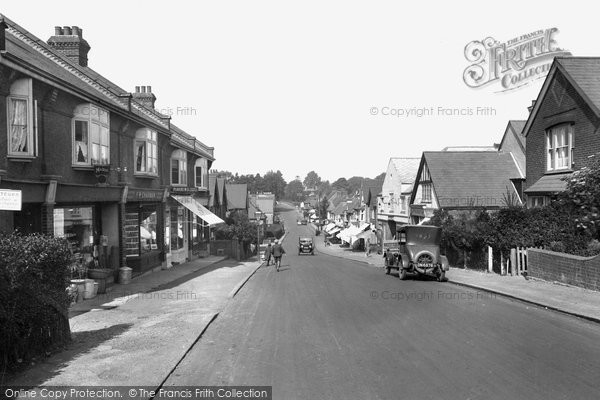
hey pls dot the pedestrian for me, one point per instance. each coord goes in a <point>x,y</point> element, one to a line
<point>268,252</point>
<point>367,247</point>
<point>278,252</point>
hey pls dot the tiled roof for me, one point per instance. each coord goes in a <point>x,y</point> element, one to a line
<point>477,177</point>
<point>584,74</point>
<point>517,127</point>
<point>221,189</point>
<point>24,48</point>
<point>237,196</point>
<point>469,148</point>
<point>212,189</point>
<point>549,184</point>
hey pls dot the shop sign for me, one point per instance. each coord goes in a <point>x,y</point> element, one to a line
<point>183,189</point>
<point>10,200</point>
<point>141,195</point>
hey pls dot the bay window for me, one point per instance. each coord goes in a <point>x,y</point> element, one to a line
<point>559,147</point>
<point>20,108</point>
<point>146,152</point>
<point>199,171</point>
<point>179,168</point>
<point>91,136</point>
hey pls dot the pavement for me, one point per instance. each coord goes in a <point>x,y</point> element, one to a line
<point>157,317</point>
<point>556,296</point>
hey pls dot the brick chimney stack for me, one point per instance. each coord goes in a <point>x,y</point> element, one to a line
<point>144,96</point>
<point>531,106</point>
<point>69,42</point>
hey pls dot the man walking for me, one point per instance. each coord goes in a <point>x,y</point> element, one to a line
<point>278,252</point>
<point>268,252</point>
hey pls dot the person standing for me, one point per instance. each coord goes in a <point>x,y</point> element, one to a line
<point>278,252</point>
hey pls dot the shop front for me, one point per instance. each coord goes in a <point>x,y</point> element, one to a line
<point>143,227</point>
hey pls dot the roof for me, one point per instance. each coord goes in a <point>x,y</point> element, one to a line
<point>212,189</point>
<point>583,73</point>
<point>40,59</point>
<point>237,196</point>
<point>407,168</point>
<point>517,128</point>
<point>469,148</point>
<point>221,189</point>
<point>549,184</point>
<point>471,177</point>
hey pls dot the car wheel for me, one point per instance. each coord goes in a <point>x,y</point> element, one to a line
<point>402,274</point>
<point>387,270</point>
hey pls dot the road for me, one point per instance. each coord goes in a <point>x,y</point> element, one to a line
<point>328,328</point>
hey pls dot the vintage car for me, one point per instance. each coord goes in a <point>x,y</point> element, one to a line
<point>306,246</point>
<point>417,251</point>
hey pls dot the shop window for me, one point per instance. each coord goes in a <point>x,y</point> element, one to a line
<point>20,109</point>
<point>179,168</point>
<point>91,136</point>
<point>146,152</point>
<point>76,224</point>
<point>177,227</point>
<point>140,230</point>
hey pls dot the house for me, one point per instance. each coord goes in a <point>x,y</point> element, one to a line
<point>393,200</point>
<point>237,197</point>
<point>467,180</point>
<point>562,130</point>
<point>263,203</point>
<point>95,163</point>
<point>513,141</point>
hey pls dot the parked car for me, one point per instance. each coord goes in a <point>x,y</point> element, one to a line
<point>306,246</point>
<point>416,252</point>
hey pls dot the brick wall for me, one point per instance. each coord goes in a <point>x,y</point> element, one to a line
<point>561,104</point>
<point>573,270</point>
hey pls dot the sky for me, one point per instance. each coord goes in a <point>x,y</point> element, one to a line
<point>314,85</point>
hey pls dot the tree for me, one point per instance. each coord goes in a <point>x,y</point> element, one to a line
<point>323,205</point>
<point>274,183</point>
<point>312,180</point>
<point>354,184</point>
<point>340,184</point>
<point>294,191</point>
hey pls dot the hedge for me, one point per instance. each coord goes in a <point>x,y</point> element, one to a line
<point>34,275</point>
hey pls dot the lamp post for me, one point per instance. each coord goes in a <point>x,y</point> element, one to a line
<point>258,214</point>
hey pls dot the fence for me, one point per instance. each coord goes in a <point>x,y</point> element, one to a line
<point>515,264</point>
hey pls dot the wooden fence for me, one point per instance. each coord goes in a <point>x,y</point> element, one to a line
<point>515,265</point>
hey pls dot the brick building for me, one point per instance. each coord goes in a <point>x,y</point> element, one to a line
<point>95,163</point>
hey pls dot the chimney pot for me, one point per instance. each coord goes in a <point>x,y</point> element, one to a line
<point>76,31</point>
<point>67,30</point>
<point>143,89</point>
<point>137,89</point>
<point>149,89</point>
<point>58,30</point>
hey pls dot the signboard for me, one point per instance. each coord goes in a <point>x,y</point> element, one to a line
<point>183,189</point>
<point>10,200</point>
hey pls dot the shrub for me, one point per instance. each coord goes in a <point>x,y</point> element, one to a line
<point>34,275</point>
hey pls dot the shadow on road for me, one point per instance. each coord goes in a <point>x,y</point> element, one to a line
<point>81,343</point>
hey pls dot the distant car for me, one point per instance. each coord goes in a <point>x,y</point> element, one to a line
<point>306,246</point>
<point>417,252</point>
<point>299,222</point>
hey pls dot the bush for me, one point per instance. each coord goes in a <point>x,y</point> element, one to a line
<point>34,275</point>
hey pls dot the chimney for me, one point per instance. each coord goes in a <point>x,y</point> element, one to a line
<point>3,27</point>
<point>531,106</point>
<point>144,96</point>
<point>69,42</point>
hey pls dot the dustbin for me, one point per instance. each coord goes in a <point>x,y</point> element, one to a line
<point>88,291</point>
<point>124,275</point>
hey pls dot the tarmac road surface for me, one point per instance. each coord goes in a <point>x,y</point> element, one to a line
<point>328,328</point>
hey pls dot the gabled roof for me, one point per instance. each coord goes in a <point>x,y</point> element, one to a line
<point>583,73</point>
<point>221,189</point>
<point>237,196</point>
<point>458,178</point>
<point>213,200</point>
<point>41,61</point>
<point>406,168</point>
<point>469,148</point>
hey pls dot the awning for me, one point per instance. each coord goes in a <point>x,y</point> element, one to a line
<point>356,234</point>
<point>334,231</point>
<point>198,209</point>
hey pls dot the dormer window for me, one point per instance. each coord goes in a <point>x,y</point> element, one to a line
<point>179,168</point>
<point>20,119</point>
<point>146,152</point>
<point>559,147</point>
<point>91,138</point>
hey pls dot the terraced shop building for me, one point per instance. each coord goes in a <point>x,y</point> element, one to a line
<point>93,162</point>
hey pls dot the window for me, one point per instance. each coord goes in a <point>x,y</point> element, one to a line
<point>20,119</point>
<point>177,227</point>
<point>199,170</point>
<point>559,146</point>
<point>537,201</point>
<point>91,127</point>
<point>140,229</point>
<point>403,204</point>
<point>179,168</point>
<point>426,195</point>
<point>146,152</point>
